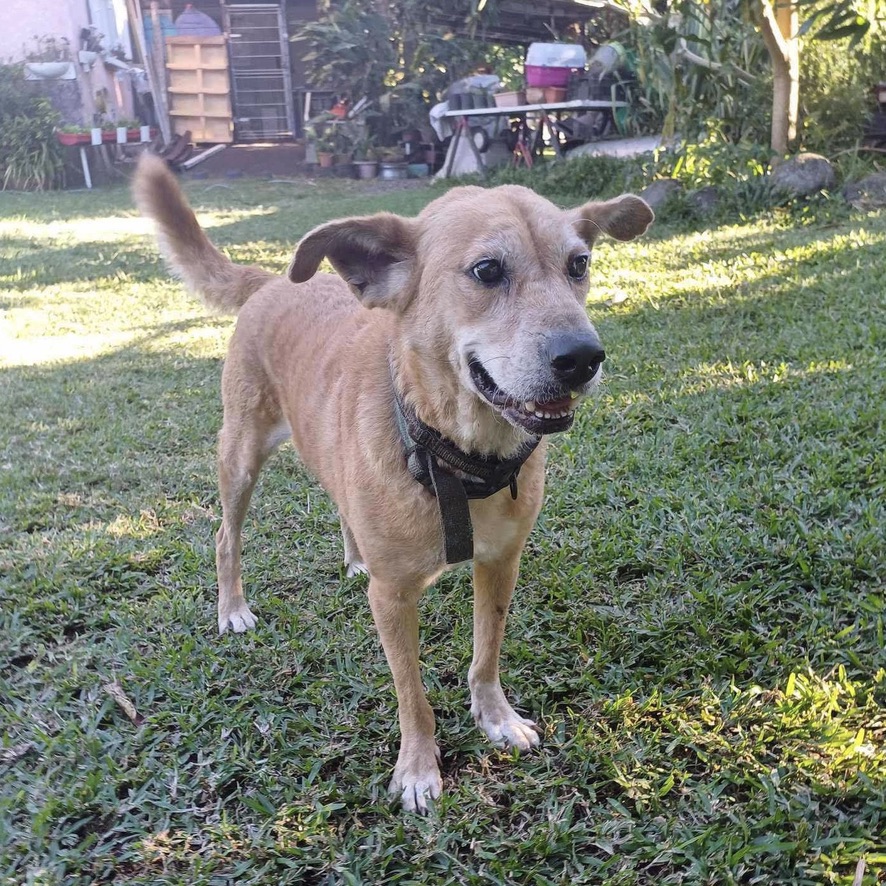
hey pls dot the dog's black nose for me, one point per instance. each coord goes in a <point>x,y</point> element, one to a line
<point>575,356</point>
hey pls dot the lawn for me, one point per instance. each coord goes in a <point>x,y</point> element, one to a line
<point>698,628</point>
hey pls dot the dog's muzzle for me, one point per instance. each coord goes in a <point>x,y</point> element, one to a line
<point>574,360</point>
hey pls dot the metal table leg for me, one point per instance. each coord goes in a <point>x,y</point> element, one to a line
<point>84,162</point>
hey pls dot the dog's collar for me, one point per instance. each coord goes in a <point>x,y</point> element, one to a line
<point>431,458</point>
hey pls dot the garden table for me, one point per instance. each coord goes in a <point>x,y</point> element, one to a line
<point>97,137</point>
<point>527,140</point>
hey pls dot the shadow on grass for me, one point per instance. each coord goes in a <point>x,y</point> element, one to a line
<point>277,228</point>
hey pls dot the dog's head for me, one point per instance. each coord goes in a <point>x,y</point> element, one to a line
<point>491,288</point>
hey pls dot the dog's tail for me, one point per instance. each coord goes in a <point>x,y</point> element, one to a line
<point>222,284</point>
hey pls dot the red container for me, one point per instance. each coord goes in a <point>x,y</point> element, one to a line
<point>73,138</point>
<point>542,75</point>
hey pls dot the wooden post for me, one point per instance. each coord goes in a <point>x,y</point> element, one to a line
<point>157,94</point>
<point>159,56</point>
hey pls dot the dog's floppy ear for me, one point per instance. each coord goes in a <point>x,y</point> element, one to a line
<point>624,218</point>
<point>374,255</point>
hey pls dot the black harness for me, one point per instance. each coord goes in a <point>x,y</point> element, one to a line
<point>431,459</point>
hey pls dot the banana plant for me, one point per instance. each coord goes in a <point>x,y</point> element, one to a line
<point>694,33</point>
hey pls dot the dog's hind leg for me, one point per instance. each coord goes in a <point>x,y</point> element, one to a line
<point>354,564</point>
<point>416,780</point>
<point>242,450</point>
<point>493,587</point>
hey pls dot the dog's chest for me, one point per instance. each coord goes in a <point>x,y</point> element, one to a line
<point>497,530</point>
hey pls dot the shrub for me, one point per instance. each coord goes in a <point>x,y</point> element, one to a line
<point>714,161</point>
<point>739,171</point>
<point>30,155</point>
<point>700,67</point>
<point>579,179</point>
<point>835,90</point>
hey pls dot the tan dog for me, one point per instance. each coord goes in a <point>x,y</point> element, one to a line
<point>479,328</point>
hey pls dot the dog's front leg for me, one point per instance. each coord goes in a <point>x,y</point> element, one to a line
<point>416,778</point>
<point>493,587</point>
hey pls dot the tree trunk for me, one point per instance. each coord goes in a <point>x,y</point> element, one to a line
<point>779,28</point>
<point>783,129</point>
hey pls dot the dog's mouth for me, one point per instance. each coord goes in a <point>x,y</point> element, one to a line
<point>535,416</point>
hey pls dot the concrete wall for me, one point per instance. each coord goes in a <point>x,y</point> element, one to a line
<point>23,20</point>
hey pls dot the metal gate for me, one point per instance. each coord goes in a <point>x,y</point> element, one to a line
<point>260,76</point>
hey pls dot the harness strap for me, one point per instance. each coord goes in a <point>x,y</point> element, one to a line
<point>455,514</point>
<point>494,472</point>
<point>425,449</point>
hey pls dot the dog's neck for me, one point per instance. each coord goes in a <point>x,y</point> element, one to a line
<point>441,402</point>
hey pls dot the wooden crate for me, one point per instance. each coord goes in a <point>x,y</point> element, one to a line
<point>199,87</point>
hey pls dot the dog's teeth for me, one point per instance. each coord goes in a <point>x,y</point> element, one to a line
<point>529,405</point>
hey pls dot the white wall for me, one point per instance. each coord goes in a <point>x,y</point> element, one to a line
<point>23,20</point>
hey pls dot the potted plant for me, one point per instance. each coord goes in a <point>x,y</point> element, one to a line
<point>73,135</point>
<point>320,140</point>
<point>392,163</point>
<point>325,147</point>
<point>365,158</point>
<point>132,127</point>
<point>51,60</point>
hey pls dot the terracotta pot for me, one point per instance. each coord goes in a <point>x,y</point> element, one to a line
<point>554,94</point>
<point>510,99</point>
<point>73,138</point>
<point>135,135</point>
<point>325,159</point>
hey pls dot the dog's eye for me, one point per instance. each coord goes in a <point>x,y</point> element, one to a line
<point>578,266</point>
<point>488,271</point>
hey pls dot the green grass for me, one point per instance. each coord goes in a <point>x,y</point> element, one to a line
<point>698,626</point>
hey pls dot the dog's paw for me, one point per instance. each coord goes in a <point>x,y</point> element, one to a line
<point>238,618</point>
<point>511,732</point>
<point>358,567</point>
<point>504,727</point>
<point>416,782</point>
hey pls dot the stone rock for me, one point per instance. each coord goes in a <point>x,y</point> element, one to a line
<point>868,192</point>
<point>619,147</point>
<point>803,175</point>
<point>706,200</point>
<point>660,191</point>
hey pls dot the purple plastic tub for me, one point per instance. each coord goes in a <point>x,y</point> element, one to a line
<point>543,75</point>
